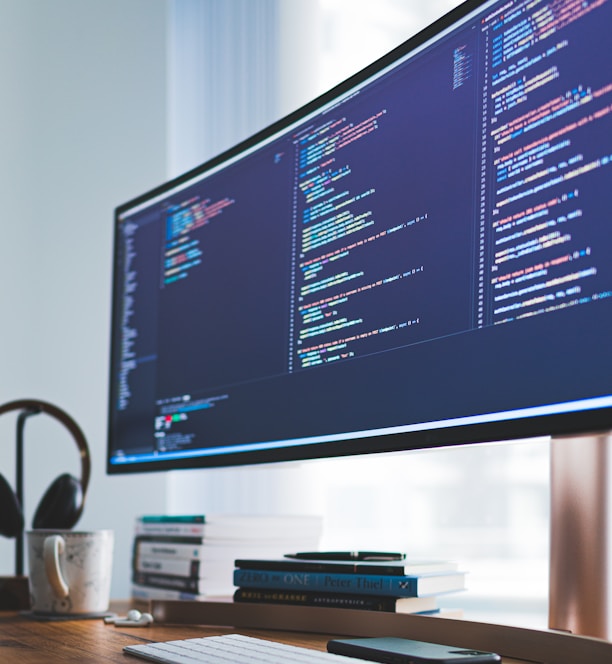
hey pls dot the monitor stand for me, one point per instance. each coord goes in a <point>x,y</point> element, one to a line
<point>580,584</point>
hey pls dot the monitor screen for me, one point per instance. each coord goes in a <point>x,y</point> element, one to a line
<point>419,257</point>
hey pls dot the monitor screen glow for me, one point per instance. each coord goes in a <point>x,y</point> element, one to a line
<point>418,258</point>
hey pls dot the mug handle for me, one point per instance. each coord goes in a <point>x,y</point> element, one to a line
<point>52,548</point>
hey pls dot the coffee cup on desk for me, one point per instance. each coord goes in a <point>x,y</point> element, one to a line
<point>70,571</point>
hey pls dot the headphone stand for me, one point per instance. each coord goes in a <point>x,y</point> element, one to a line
<point>21,419</point>
<point>14,590</point>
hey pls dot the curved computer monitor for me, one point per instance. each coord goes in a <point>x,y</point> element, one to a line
<point>420,257</point>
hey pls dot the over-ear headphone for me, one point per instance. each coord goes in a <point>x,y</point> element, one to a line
<point>63,502</point>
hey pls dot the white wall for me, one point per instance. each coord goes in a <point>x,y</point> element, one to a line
<point>83,128</point>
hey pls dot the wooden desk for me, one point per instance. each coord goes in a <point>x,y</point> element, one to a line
<point>27,641</point>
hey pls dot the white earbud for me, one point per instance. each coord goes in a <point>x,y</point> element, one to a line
<point>134,618</point>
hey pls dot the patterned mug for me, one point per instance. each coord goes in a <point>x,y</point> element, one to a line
<point>70,571</point>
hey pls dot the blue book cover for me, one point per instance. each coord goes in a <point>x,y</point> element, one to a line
<point>363,584</point>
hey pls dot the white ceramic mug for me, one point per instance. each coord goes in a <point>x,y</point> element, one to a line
<point>70,571</point>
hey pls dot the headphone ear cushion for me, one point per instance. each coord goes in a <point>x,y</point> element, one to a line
<point>61,506</point>
<point>11,516</point>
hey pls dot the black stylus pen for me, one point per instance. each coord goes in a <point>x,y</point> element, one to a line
<point>346,555</point>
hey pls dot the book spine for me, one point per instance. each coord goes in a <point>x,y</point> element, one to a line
<point>166,549</point>
<point>189,567</point>
<point>183,584</point>
<point>150,592</point>
<point>171,529</point>
<point>296,597</point>
<point>363,584</point>
<point>169,518</point>
<point>404,568</point>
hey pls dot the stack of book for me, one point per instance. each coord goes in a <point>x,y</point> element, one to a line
<point>191,557</point>
<point>395,586</point>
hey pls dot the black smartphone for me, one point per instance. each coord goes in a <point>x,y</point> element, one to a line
<point>405,651</point>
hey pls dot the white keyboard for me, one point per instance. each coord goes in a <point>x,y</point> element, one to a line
<point>233,649</point>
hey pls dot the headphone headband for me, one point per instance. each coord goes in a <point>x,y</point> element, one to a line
<point>63,417</point>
